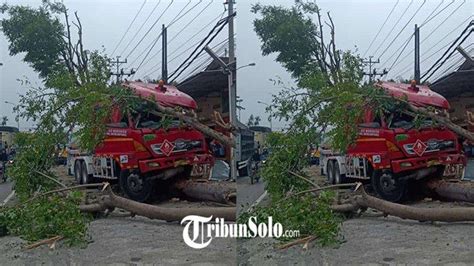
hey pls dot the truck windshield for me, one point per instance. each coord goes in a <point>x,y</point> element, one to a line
<point>150,120</point>
<point>405,121</point>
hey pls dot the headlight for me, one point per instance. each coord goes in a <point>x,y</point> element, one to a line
<point>196,144</point>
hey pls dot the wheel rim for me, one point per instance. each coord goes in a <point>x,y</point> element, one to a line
<point>135,183</point>
<point>389,187</point>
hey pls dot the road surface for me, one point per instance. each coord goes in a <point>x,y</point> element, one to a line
<point>5,192</point>
<point>248,193</point>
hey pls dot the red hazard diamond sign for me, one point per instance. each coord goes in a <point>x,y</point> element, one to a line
<point>167,147</point>
<point>419,147</point>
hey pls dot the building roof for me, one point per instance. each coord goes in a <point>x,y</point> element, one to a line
<point>457,82</point>
<point>8,129</point>
<point>212,79</point>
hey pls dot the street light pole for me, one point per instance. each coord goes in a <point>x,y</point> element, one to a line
<point>17,116</point>
<point>270,109</point>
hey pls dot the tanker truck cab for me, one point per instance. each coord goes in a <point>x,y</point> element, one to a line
<point>393,150</point>
<point>142,147</point>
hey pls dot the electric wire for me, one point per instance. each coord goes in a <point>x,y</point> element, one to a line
<point>174,19</point>
<point>444,8</point>
<point>381,27</point>
<point>220,23</point>
<point>400,32</point>
<point>177,34</point>
<point>153,69</point>
<point>391,30</point>
<point>129,26</point>
<point>408,66</point>
<point>439,25</point>
<point>149,30</point>
<point>404,47</point>
<point>141,27</point>
<point>450,54</point>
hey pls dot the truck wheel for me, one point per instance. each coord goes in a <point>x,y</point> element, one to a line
<point>387,186</point>
<point>84,174</point>
<point>338,178</point>
<point>135,186</point>
<point>77,171</point>
<point>330,172</point>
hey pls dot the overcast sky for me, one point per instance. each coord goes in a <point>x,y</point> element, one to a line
<point>357,22</point>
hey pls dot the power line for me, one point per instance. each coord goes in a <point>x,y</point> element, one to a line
<point>437,27</point>
<point>201,65</point>
<point>193,7</point>
<point>400,32</point>
<point>129,26</point>
<point>174,37</point>
<point>381,27</point>
<point>404,47</point>
<point>452,45</point>
<point>391,30</point>
<point>396,51</point>
<point>146,49</point>
<point>154,70</point>
<point>220,23</point>
<point>434,71</point>
<point>141,27</point>
<point>149,30</point>
<point>191,21</point>
<point>406,67</point>
<point>429,18</point>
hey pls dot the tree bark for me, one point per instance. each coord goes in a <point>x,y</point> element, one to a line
<point>363,200</point>
<point>223,192</point>
<point>111,201</point>
<point>444,121</point>
<point>458,191</point>
<point>197,125</point>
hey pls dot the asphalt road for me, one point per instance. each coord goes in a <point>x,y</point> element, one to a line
<point>5,191</point>
<point>248,193</point>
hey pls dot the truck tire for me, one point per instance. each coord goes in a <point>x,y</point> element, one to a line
<point>330,171</point>
<point>135,186</point>
<point>84,175</point>
<point>387,186</point>
<point>338,178</point>
<point>78,171</point>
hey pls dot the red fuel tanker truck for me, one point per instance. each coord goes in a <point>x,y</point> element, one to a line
<point>392,149</point>
<point>139,149</point>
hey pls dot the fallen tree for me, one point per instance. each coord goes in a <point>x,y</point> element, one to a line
<point>362,200</point>
<point>110,201</point>
<point>222,192</point>
<point>452,189</point>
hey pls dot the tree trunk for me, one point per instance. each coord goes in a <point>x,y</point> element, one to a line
<point>223,192</point>
<point>444,121</point>
<point>197,125</point>
<point>111,201</point>
<point>363,200</point>
<point>459,191</point>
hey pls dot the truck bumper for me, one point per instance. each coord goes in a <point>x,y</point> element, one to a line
<point>427,161</point>
<point>175,161</point>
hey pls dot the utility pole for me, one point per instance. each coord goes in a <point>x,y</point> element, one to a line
<point>164,55</point>
<point>119,73</point>
<point>235,152</point>
<point>417,54</point>
<point>370,63</point>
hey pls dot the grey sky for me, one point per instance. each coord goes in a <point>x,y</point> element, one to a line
<point>356,21</point>
<point>104,22</point>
